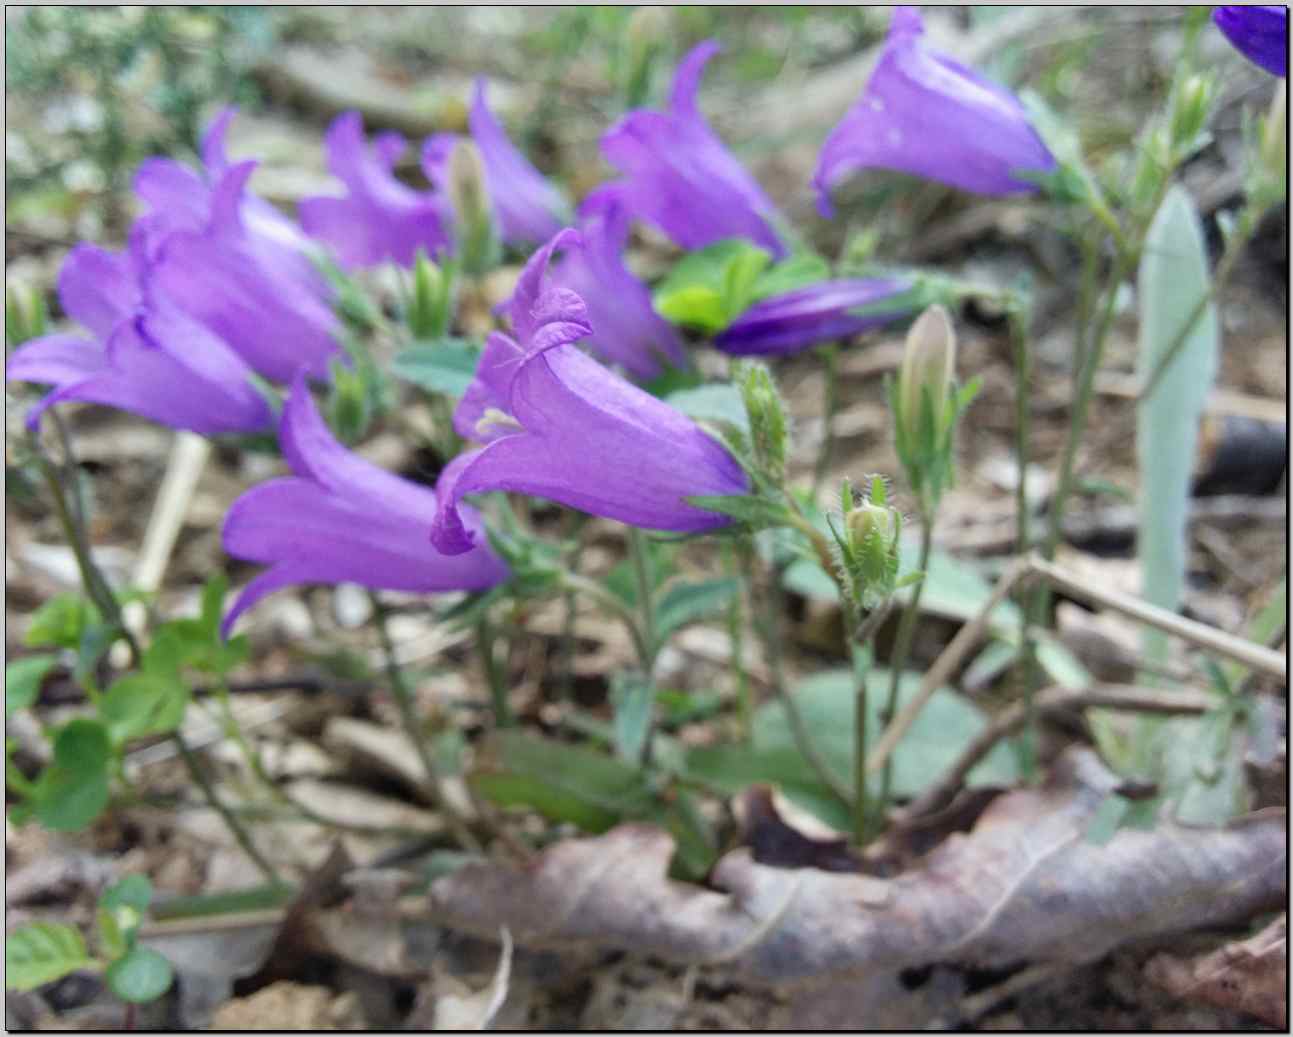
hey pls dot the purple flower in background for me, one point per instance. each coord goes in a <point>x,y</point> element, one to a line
<point>529,207</point>
<point>814,315</point>
<point>626,329</point>
<point>1260,34</point>
<point>380,218</point>
<point>680,177</point>
<point>559,425</point>
<point>263,297</point>
<point>150,359</point>
<point>925,114</point>
<point>339,518</point>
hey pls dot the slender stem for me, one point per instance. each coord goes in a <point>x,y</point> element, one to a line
<point>898,663</point>
<point>830,357</point>
<point>1026,670</point>
<point>226,815</point>
<point>577,520</point>
<point>494,675</point>
<point>404,701</point>
<point>582,585</point>
<point>767,623</point>
<point>736,633</point>
<point>646,607</point>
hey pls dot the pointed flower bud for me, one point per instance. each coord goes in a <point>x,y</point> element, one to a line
<point>1190,107</point>
<point>928,367</point>
<point>474,227</point>
<point>767,418</point>
<point>432,302</point>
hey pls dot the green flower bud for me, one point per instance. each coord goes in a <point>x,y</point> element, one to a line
<point>869,546</point>
<point>474,230</point>
<point>767,418</point>
<point>925,378</point>
<point>348,403</point>
<point>1191,106</point>
<point>25,315</point>
<point>429,309</point>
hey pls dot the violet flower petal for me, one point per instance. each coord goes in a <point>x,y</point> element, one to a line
<point>97,288</point>
<point>342,519</point>
<point>626,328</point>
<point>262,298</point>
<point>530,209</point>
<point>380,218</point>
<point>680,177</point>
<point>586,437</point>
<point>926,114</point>
<point>1259,33</point>
<point>811,316</point>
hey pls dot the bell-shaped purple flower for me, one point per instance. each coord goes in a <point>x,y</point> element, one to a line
<point>559,425</point>
<point>339,518</point>
<point>925,114</point>
<point>679,176</point>
<point>1261,34</point>
<point>815,315</point>
<point>626,328</point>
<point>529,207</point>
<point>380,218</point>
<point>153,360</point>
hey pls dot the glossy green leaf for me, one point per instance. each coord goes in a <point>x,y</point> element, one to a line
<point>40,953</point>
<point>22,681</point>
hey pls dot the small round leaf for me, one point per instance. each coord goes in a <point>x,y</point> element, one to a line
<point>142,975</point>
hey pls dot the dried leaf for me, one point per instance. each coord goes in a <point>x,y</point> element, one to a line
<point>1023,885</point>
<point>1246,976</point>
<point>459,1008</point>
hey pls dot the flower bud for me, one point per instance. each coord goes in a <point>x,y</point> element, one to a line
<point>25,316</point>
<point>1191,105</point>
<point>348,404</point>
<point>644,38</point>
<point>925,378</point>
<point>429,309</point>
<point>767,418</point>
<point>474,230</point>
<point>872,533</point>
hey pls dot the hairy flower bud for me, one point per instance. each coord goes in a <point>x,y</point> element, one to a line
<point>1191,104</point>
<point>767,417</point>
<point>870,544</point>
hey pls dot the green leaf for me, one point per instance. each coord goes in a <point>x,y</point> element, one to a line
<point>141,975</point>
<point>693,306</point>
<point>22,681</point>
<point>73,790</point>
<point>40,953</point>
<point>759,512</point>
<point>61,621</point>
<point>134,891</point>
<point>447,366</point>
<point>632,699</point>
<point>143,703</point>
<point>706,289</point>
<point>1173,278</point>
<point>739,280</point>
<point>213,595</point>
<point>96,639</point>
<point>685,603</point>
<point>719,403</point>
<point>799,271</point>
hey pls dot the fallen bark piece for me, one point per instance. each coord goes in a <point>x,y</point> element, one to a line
<point>1246,976</point>
<point>1023,886</point>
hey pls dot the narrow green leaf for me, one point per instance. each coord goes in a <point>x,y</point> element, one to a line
<point>759,512</point>
<point>141,975</point>
<point>632,699</point>
<point>22,681</point>
<point>685,603</point>
<point>40,953</point>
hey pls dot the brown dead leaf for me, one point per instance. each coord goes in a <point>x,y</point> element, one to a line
<point>1023,885</point>
<point>1246,976</point>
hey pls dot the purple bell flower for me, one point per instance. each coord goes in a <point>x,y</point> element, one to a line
<point>153,360</point>
<point>626,328</point>
<point>339,518</point>
<point>814,315</point>
<point>380,218</point>
<point>925,114</point>
<point>1261,34</point>
<point>559,425</point>
<point>529,207</point>
<point>679,176</point>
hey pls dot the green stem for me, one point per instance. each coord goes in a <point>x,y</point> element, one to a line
<point>736,634</point>
<point>1026,670</point>
<point>897,663</point>
<point>494,676</point>
<point>646,606</point>
<point>577,584</point>
<point>404,700</point>
<point>830,356</point>
<point>226,815</point>
<point>769,618</point>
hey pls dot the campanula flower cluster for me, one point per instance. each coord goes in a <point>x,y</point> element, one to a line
<point>219,297</point>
